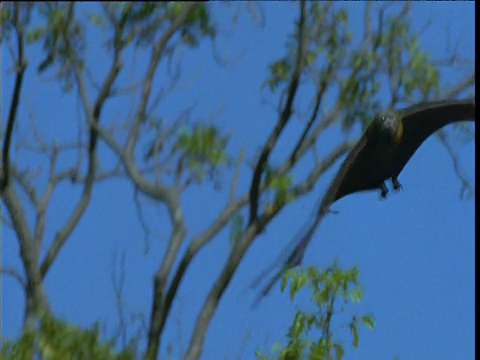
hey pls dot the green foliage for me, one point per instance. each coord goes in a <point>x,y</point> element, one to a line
<point>423,75</point>
<point>358,92</point>
<point>63,38</point>
<point>13,15</point>
<point>325,36</point>
<point>154,16</point>
<point>62,32</point>
<point>394,52</point>
<point>197,23</point>
<point>198,19</point>
<point>279,73</point>
<point>279,189</point>
<point>416,73</point>
<point>201,149</point>
<point>311,334</point>
<point>55,339</point>
<point>327,33</point>
<point>390,57</point>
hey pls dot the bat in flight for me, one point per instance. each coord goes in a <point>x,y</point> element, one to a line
<point>381,153</point>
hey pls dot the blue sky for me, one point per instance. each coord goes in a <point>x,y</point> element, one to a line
<point>415,251</point>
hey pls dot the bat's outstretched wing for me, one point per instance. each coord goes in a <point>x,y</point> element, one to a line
<point>421,121</point>
<point>341,185</point>
<point>343,180</point>
<point>355,172</point>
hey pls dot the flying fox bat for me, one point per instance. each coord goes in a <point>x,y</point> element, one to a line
<point>381,153</point>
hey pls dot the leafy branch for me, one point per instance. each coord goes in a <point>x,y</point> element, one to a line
<point>311,334</point>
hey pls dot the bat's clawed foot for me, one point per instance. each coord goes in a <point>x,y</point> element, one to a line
<point>396,184</point>
<point>383,191</point>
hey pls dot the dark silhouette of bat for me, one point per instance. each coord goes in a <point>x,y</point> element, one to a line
<point>381,153</point>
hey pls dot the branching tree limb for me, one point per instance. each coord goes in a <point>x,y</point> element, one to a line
<point>93,114</point>
<point>20,67</point>
<point>35,293</point>
<point>282,121</point>
<point>237,253</point>
<point>16,275</point>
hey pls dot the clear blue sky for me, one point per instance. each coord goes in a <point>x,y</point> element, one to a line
<point>415,251</point>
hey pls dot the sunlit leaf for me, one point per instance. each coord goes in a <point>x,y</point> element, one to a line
<point>368,321</point>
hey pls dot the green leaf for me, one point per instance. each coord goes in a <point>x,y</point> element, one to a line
<point>284,280</point>
<point>203,148</point>
<point>96,19</point>
<point>276,346</point>
<point>293,288</point>
<point>354,331</point>
<point>368,321</point>
<point>260,356</point>
<point>356,294</point>
<point>302,280</point>
<point>339,351</point>
<point>35,34</point>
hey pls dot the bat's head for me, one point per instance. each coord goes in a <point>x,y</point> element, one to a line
<point>386,123</point>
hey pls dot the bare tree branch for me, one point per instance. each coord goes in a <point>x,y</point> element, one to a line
<point>237,253</point>
<point>94,117</point>
<point>16,275</point>
<point>211,302</point>
<point>35,293</point>
<point>157,51</point>
<point>318,99</point>
<point>21,65</point>
<point>233,183</point>
<point>460,86</point>
<point>282,121</point>
<point>36,297</point>
<point>20,178</point>
<point>467,190</point>
<point>118,281</point>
